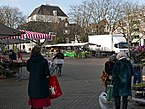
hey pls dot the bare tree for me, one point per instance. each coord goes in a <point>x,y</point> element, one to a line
<point>11,17</point>
<point>142,20</point>
<point>130,19</point>
<point>93,11</point>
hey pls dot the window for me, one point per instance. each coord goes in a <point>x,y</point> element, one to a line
<point>66,31</point>
<point>66,24</point>
<point>54,12</point>
<point>123,45</point>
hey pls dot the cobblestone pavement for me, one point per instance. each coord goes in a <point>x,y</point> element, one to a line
<point>80,83</point>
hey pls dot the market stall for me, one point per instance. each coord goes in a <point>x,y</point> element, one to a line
<point>10,67</point>
<point>139,92</point>
<point>138,56</point>
<point>77,50</point>
<point>10,40</point>
<point>6,31</point>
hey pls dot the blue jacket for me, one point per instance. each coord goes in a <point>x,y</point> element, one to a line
<point>38,67</point>
<point>121,77</point>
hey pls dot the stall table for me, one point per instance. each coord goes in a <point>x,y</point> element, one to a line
<point>139,92</point>
<point>11,67</point>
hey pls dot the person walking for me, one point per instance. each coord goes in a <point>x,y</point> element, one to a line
<point>121,78</point>
<point>38,87</point>
<point>59,61</point>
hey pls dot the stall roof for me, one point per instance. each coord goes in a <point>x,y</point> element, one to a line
<point>30,35</point>
<point>13,41</point>
<point>6,31</point>
<point>70,44</point>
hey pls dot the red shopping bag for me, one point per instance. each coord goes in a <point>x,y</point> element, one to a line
<point>54,87</point>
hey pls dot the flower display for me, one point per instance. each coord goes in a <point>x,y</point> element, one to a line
<point>139,52</point>
<point>139,49</point>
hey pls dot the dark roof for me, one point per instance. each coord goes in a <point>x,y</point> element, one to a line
<point>6,31</point>
<point>48,10</point>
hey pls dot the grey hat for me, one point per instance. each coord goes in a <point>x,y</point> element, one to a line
<point>112,58</point>
<point>121,54</point>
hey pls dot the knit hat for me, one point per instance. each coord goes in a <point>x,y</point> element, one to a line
<point>121,55</point>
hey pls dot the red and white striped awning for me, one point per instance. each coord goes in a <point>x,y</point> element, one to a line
<point>31,35</point>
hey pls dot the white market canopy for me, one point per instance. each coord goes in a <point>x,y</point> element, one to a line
<point>70,44</point>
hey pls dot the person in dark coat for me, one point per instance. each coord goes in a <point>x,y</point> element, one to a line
<point>109,68</point>
<point>12,55</point>
<point>137,69</point>
<point>121,77</point>
<point>60,60</point>
<point>38,89</point>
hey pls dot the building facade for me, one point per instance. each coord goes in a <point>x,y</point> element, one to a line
<point>47,13</point>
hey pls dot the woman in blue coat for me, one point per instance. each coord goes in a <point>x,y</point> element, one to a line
<point>38,89</point>
<point>121,77</point>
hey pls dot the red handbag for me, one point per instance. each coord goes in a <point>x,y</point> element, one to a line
<point>54,87</point>
<point>104,76</point>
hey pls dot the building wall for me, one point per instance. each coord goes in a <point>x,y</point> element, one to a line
<point>46,18</point>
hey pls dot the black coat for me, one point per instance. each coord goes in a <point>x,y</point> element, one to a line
<point>59,56</point>
<point>109,67</point>
<point>38,83</point>
<point>12,55</point>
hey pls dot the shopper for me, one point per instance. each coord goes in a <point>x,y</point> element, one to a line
<point>12,55</point>
<point>20,56</point>
<point>109,67</point>
<point>137,69</point>
<point>59,61</point>
<point>121,77</point>
<point>38,89</point>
